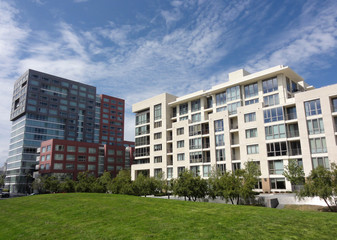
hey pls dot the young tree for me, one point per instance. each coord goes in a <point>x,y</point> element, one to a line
<point>52,184</point>
<point>85,180</point>
<point>294,173</point>
<point>68,185</point>
<point>141,186</point>
<point>121,184</point>
<point>319,183</point>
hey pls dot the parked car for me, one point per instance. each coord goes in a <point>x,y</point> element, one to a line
<point>4,192</point>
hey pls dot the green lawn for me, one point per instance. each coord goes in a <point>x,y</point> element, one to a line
<point>106,216</point>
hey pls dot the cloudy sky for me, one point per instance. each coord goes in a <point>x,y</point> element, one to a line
<point>135,49</point>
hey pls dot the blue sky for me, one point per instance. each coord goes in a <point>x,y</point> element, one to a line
<point>135,49</point>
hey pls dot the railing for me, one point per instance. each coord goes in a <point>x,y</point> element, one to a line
<point>276,171</point>
<point>205,145</point>
<point>142,154</point>
<point>195,146</point>
<point>234,127</point>
<point>198,160</point>
<point>206,159</point>
<point>205,131</point>
<point>291,116</point>
<point>169,150</point>
<point>169,162</point>
<point>169,138</point>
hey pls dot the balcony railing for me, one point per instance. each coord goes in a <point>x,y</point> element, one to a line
<point>198,160</point>
<point>169,150</point>
<point>294,151</point>
<point>291,116</point>
<point>205,145</point>
<point>169,162</point>
<point>169,138</point>
<point>291,134</point>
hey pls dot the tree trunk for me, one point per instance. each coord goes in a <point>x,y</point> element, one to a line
<point>331,210</point>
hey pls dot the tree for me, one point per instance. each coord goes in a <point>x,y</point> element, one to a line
<point>190,187</point>
<point>319,183</point>
<point>2,180</point>
<point>68,186</point>
<point>236,185</point>
<point>141,186</point>
<point>294,173</point>
<point>38,184</point>
<point>85,181</point>
<point>121,184</point>
<point>51,184</point>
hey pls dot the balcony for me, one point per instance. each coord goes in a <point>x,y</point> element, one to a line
<point>169,162</point>
<point>294,152</point>
<point>290,116</point>
<point>169,150</point>
<point>291,134</point>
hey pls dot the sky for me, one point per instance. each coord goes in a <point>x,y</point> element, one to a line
<point>136,49</point>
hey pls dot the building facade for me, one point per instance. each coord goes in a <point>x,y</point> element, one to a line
<point>49,107</point>
<point>267,117</point>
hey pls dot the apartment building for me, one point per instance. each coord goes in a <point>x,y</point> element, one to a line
<point>267,117</point>
<point>48,107</point>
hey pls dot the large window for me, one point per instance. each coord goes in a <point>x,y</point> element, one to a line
<point>232,108</point>
<point>271,100</point>
<point>251,133</point>
<point>313,107</point>
<point>181,170</point>
<point>218,125</point>
<point>315,126</point>
<point>251,90</point>
<point>318,145</point>
<point>142,118</point>
<point>158,172</point>
<point>183,108</point>
<point>195,130</point>
<point>277,149</point>
<point>158,159</point>
<point>195,157</point>
<point>195,105</point>
<point>277,183</point>
<point>169,173</point>
<point>250,117</point>
<point>180,131</point>
<point>180,144</point>
<point>196,117</point>
<point>275,167</point>
<point>221,168</point>
<point>157,135</point>
<point>206,170</point>
<point>195,170</point>
<point>275,131</point>
<point>253,149</point>
<point>157,112</point>
<point>195,143</point>
<point>219,140</point>
<point>220,155</point>
<point>233,93</point>
<point>220,98</point>
<point>270,85</point>
<point>320,161</point>
<point>180,156</point>
<point>273,115</point>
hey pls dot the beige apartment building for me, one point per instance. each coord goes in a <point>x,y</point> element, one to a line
<point>267,117</point>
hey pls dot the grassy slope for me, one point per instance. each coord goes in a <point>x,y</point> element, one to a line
<point>105,216</point>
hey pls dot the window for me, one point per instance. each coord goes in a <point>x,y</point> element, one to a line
<point>195,170</point>
<point>157,124</point>
<point>119,153</point>
<point>180,156</point>
<point>271,100</point>
<point>180,144</point>
<point>232,108</point>
<point>142,118</point>
<point>253,149</point>
<point>250,117</point>
<point>275,167</point>
<point>273,115</point>
<point>157,147</point>
<point>70,157</point>
<point>196,117</point>
<point>142,130</point>
<point>277,183</point>
<point>59,147</point>
<point>195,143</point>
<point>252,101</point>
<point>277,149</point>
<point>169,173</point>
<point>195,157</point>
<point>43,158</point>
<point>209,102</point>
<point>69,166</point>
<point>81,158</point>
<point>270,85</point>
<point>206,170</point>
<point>220,155</point>
<point>80,167</point>
<point>221,109</point>
<point>220,98</point>
<point>251,90</point>
<point>275,131</point>
<point>233,93</point>
<point>320,161</point>
<point>291,113</point>
<point>318,145</point>
<point>218,126</point>
<point>219,140</point>
<point>92,158</point>
<point>157,135</point>
<point>48,148</point>
<point>111,152</point>
<point>221,168</point>
<point>183,118</point>
<point>251,133</point>
<point>58,166</point>
<point>334,104</point>
<point>158,172</point>
<point>157,112</point>
<point>82,149</point>
<point>142,141</point>
<point>181,170</point>
<point>183,108</point>
<point>313,107</point>
<point>92,150</point>
<point>315,126</point>
<point>195,130</point>
<point>43,149</point>
<point>47,157</point>
<point>180,131</point>
<point>58,156</point>
<point>111,159</point>
<point>195,105</point>
<point>236,166</point>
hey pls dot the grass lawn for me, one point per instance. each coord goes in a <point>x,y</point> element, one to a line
<point>106,216</point>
